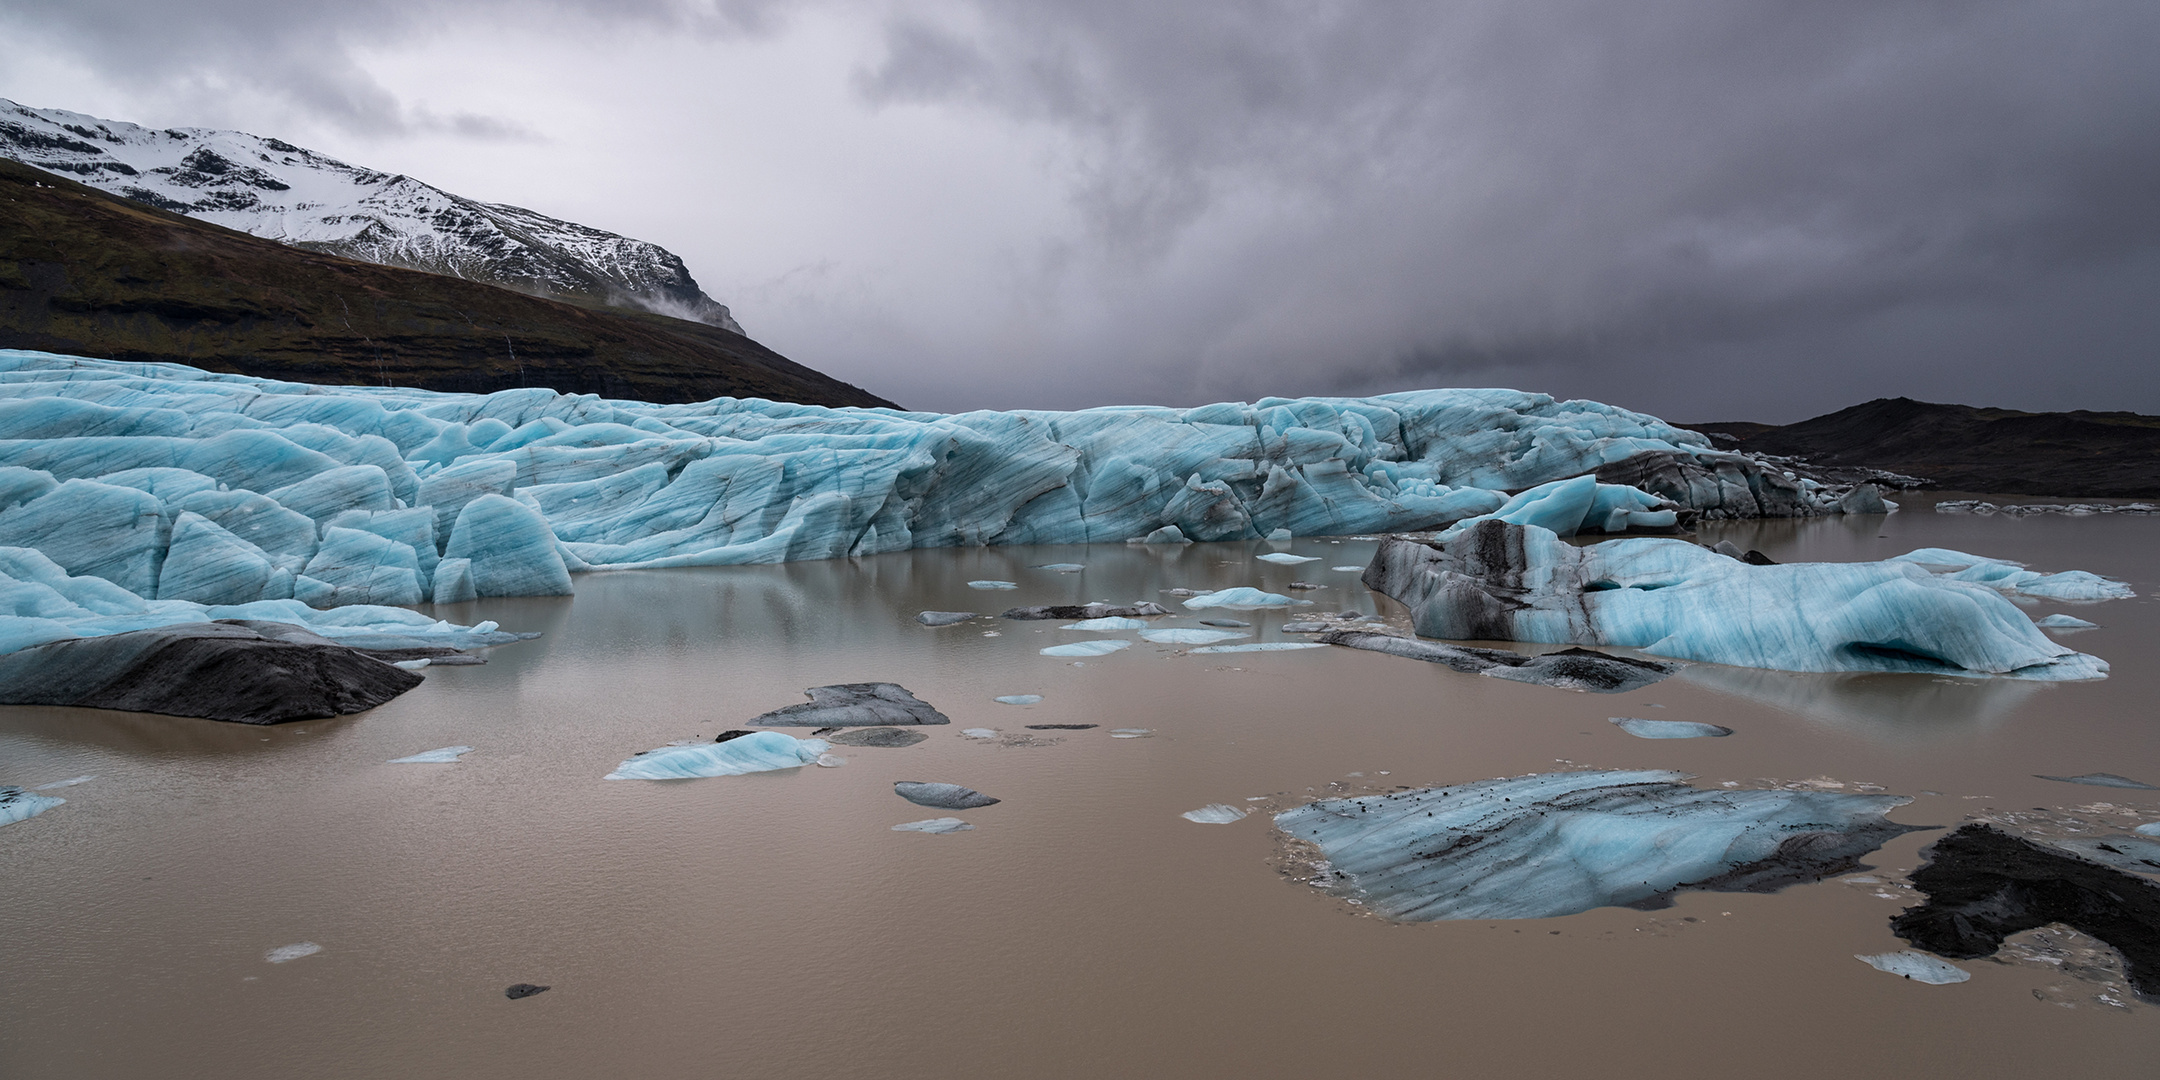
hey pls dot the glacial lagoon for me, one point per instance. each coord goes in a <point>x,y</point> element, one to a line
<point>298,900</point>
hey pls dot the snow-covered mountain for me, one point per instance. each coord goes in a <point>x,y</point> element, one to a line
<point>282,192</point>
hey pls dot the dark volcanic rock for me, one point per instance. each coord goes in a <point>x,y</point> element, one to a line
<point>944,618</point>
<point>1568,669</point>
<point>1984,885</point>
<point>942,796</point>
<point>885,737</point>
<point>855,705</point>
<point>2088,454</point>
<point>1088,611</point>
<point>731,735</point>
<point>217,671</point>
<point>525,990</point>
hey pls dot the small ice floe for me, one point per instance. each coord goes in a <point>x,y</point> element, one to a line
<point>1262,646</point>
<point>69,782</point>
<point>944,618</point>
<point>1347,569</point>
<point>2064,622</point>
<point>1668,729</point>
<point>448,755</point>
<point>1233,624</point>
<point>993,584</point>
<point>1214,814</point>
<point>1131,732</point>
<point>1181,636</point>
<point>1063,567</point>
<point>942,796</point>
<point>19,805</point>
<point>830,761</point>
<point>1917,966</point>
<point>937,826</point>
<point>2101,779</point>
<point>889,738</point>
<point>2150,828</point>
<point>979,732</point>
<point>1018,699</point>
<point>1106,625</point>
<point>762,751</point>
<point>1284,558</point>
<point>295,951</point>
<point>1086,648</point>
<point>413,664</point>
<point>1244,596</point>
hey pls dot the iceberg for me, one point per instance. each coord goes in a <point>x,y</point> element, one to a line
<point>942,796</point>
<point>762,751</point>
<point>1096,610</point>
<point>993,585</point>
<point>2012,579</point>
<point>1284,558</point>
<point>1018,699</point>
<point>854,705</point>
<point>1506,582</point>
<point>19,805</point>
<point>286,953</point>
<point>2064,622</point>
<point>1086,648</point>
<point>1917,966</point>
<point>1668,729</point>
<point>886,738</point>
<point>531,486</point>
<point>1215,814</point>
<point>1581,504</point>
<point>934,826</point>
<point>1184,636</point>
<point>1242,597</point>
<point>448,755</point>
<point>1544,845</point>
<point>944,618</point>
<point>1107,624</point>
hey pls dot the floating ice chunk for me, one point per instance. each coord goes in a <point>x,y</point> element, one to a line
<point>1244,596</point>
<point>284,953</point>
<point>1214,814</point>
<point>830,761</point>
<point>882,737</point>
<point>1086,648</point>
<point>1185,636</point>
<point>1131,732</point>
<point>1018,699</point>
<point>993,585</point>
<point>762,751</point>
<point>1284,558</point>
<point>1669,729</point>
<point>1555,844</point>
<point>17,804</point>
<point>1234,624</point>
<point>448,755</point>
<point>2151,828</point>
<point>1674,598</point>
<point>1348,569</point>
<point>1106,625</point>
<point>2064,622</point>
<point>1261,646</point>
<point>1063,567</point>
<point>1097,610</point>
<point>2102,779</point>
<point>979,732</point>
<point>944,618</point>
<point>942,796</point>
<point>936,826</point>
<point>69,782</point>
<point>1917,966</point>
<point>855,705</point>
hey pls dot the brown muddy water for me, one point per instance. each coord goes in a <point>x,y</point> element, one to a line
<point>774,926</point>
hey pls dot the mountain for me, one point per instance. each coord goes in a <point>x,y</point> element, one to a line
<point>2110,455</point>
<point>92,274</point>
<point>282,192</point>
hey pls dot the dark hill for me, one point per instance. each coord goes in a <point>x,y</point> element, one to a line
<point>2113,455</point>
<point>91,274</point>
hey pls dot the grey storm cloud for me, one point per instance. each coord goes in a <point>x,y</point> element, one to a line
<point>1730,207</point>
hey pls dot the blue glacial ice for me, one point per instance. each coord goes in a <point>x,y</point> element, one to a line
<point>937,826</point>
<point>1917,966</point>
<point>1215,814</point>
<point>2060,621</point>
<point>1506,582</point>
<point>1242,597</point>
<point>447,755</point>
<point>1263,646</point>
<point>992,585</point>
<point>1284,558</point>
<point>1188,636</point>
<point>1578,505</point>
<point>2012,579</point>
<point>1544,845</point>
<point>2150,828</point>
<point>761,751</point>
<point>18,805</point>
<point>1668,729</point>
<point>528,487</point>
<point>1018,699</point>
<point>1106,624</point>
<point>1087,648</point>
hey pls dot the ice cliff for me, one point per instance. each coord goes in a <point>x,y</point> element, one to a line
<point>181,485</point>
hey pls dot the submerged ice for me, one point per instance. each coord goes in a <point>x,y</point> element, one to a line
<point>1551,844</point>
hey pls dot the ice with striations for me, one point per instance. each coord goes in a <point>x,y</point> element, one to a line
<point>1189,636</point>
<point>19,805</point>
<point>2012,579</point>
<point>1087,648</point>
<point>529,486</point>
<point>760,751</point>
<point>1505,582</point>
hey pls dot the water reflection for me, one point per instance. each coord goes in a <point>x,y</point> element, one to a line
<point>1879,706</point>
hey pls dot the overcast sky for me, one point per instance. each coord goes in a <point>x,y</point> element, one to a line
<point>1708,209</point>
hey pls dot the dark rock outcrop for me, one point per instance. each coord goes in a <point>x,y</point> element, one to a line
<point>216,671</point>
<point>1088,611</point>
<point>1568,669</point>
<point>855,705</point>
<point>1984,884</point>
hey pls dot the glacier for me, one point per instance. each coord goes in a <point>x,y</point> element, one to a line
<point>1550,844</point>
<point>1509,582</point>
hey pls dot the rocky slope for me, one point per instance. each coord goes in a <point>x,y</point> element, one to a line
<point>2114,455</point>
<point>89,274</point>
<point>278,191</point>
